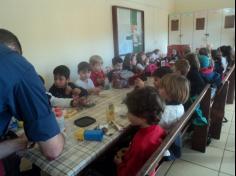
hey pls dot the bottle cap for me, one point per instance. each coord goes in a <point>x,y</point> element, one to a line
<point>58,113</point>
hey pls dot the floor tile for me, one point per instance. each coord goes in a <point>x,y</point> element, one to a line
<point>230,146</point>
<point>211,159</point>
<point>223,174</point>
<point>164,168</point>
<point>183,168</point>
<point>220,143</point>
<point>232,128</point>
<point>228,164</point>
<point>229,115</point>
<point>226,127</point>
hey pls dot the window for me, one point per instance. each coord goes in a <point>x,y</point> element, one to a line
<point>200,23</point>
<point>174,25</point>
<point>229,21</point>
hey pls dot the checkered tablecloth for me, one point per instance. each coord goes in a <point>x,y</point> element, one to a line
<point>79,154</point>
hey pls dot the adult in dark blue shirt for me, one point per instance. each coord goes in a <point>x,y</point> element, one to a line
<point>22,95</point>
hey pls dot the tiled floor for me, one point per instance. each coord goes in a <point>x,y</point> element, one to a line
<point>219,159</point>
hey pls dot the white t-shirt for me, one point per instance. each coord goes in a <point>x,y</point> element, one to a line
<point>224,63</point>
<point>172,114</point>
<point>85,84</point>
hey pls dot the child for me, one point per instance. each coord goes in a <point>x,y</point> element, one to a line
<point>62,87</point>
<point>174,89</point>
<point>156,56</point>
<point>97,75</point>
<point>144,108</point>
<point>84,81</point>
<point>207,71</point>
<point>61,102</point>
<point>196,81</point>
<point>157,75</point>
<point>118,77</point>
<point>130,62</point>
<point>217,57</point>
<point>174,55</point>
<point>141,62</point>
<point>182,67</point>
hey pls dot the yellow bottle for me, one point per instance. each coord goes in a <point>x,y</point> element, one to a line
<point>110,113</point>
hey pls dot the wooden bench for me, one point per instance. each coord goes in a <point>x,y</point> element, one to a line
<point>212,110</point>
<point>224,94</point>
<point>153,162</point>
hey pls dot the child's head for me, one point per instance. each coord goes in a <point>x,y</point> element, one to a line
<point>193,61</point>
<point>96,63</point>
<point>159,73</point>
<point>187,50</point>
<point>130,60</point>
<point>61,76</point>
<point>84,70</point>
<point>141,57</point>
<point>174,52</point>
<point>216,55</point>
<point>182,67</point>
<point>174,88</point>
<point>156,51</point>
<point>204,52</point>
<point>117,63</point>
<point>144,106</point>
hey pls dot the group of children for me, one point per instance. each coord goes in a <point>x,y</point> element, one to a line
<point>155,110</point>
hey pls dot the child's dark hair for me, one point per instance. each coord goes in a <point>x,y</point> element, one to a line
<point>84,66</point>
<point>215,55</point>
<point>62,70</point>
<point>204,52</point>
<point>161,72</point>
<point>193,61</point>
<point>145,103</point>
<point>117,60</point>
<point>139,58</point>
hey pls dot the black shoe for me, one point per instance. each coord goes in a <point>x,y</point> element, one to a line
<point>225,120</point>
<point>208,141</point>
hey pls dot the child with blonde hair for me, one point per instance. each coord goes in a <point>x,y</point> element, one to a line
<point>182,67</point>
<point>174,89</point>
<point>97,74</point>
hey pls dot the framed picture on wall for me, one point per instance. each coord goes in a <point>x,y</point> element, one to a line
<point>128,30</point>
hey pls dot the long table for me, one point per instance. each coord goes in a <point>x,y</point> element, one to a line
<point>79,154</point>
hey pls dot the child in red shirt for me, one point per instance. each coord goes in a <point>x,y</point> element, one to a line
<point>144,107</point>
<point>97,75</point>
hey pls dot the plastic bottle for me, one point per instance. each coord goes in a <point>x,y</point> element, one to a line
<point>89,135</point>
<point>110,113</point>
<point>93,135</point>
<point>60,118</point>
<point>107,84</point>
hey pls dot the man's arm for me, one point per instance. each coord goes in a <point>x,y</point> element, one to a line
<point>53,147</point>
<point>11,146</point>
<point>31,106</point>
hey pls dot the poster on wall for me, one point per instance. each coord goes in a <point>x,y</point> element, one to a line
<point>128,30</point>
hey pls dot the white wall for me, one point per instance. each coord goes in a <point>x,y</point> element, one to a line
<point>196,5</point>
<point>54,32</point>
